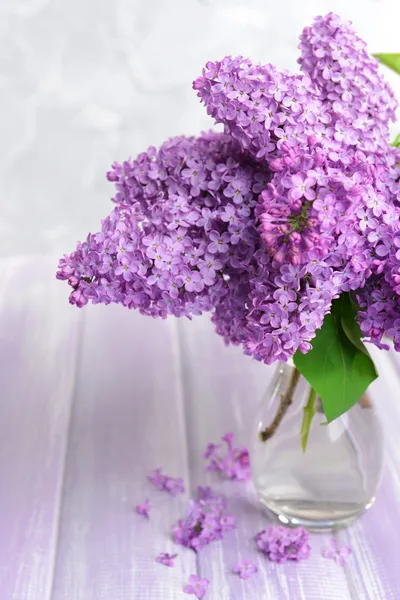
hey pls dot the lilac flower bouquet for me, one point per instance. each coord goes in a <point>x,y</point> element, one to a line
<point>285,226</point>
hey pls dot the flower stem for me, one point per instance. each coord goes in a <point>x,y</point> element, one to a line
<point>309,411</point>
<point>285,402</point>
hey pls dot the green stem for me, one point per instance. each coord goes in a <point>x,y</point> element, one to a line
<point>309,411</point>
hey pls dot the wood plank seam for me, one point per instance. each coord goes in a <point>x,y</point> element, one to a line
<point>184,388</point>
<point>61,490</point>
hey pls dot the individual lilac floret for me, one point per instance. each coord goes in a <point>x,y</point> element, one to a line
<point>174,486</point>
<point>281,543</point>
<point>157,479</point>
<point>144,509</point>
<point>171,485</point>
<point>205,521</point>
<point>336,552</point>
<point>245,569</point>
<point>166,559</point>
<point>235,464</point>
<point>196,586</point>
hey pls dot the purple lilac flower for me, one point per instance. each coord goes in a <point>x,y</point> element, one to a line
<point>166,559</point>
<point>281,543</point>
<point>196,586</point>
<point>211,449</point>
<point>157,479</point>
<point>336,552</point>
<point>245,569</point>
<point>219,242</point>
<point>348,77</point>
<point>235,464</point>
<point>205,521</point>
<point>291,224</point>
<point>303,178</point>
<point>204,493</point>
<point>174,486</point>
<point>171,485</point>
<point>300,186</point>
<point>144,509</point>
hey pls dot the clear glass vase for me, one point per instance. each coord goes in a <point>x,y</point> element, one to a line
<point>335,480</point>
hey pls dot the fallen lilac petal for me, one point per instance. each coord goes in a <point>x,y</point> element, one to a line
<point>228,438</point>
<point>144,509</point>
<point>196,586</point>
<point>165,483</point>
<point>336,552</point>
<point>174,486</point>
<point>235,464</point>
<point>210,450</point>
<point>166,559</point>
<point>157,479</point>
<point>245,569</point>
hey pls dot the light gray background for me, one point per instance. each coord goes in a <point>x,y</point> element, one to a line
<point>85,82</point>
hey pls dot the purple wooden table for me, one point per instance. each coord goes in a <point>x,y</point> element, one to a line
<point>91,401</point>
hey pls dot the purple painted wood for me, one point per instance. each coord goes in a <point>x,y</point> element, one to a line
<point>128,418</point>
<point>374,536</point>
<point>82,423</point>
<point>38,351</point>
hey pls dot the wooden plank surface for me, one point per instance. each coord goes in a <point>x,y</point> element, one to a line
<point>128,418</point>
<point>38,350</point>
<point>93,400</point>
<point>375,569</point>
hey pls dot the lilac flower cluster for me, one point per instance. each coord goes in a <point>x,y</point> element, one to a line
<point>168,484</point>
<point>266,223</point>
<point>347,78</point>
<point>205,521</point>
<point>234,465</point>
<point>281,543</point>
<point>328,212</point>
<point>379,299</point>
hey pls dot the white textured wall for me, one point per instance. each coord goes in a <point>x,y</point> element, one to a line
<point>84,82</point>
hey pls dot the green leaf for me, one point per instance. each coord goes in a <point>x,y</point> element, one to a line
<point>396,141</point>
<point>350,331</point>
<point>346,310</point>
<point>308,414</point>
<point>390,60</point>
<point>336,367</point>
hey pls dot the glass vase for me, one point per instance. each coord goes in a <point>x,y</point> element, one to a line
<point>335,479</point>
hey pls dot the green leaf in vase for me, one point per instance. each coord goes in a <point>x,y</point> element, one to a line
<point>338,367</point>
<point>308,414</point>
